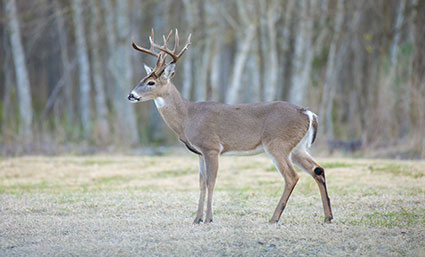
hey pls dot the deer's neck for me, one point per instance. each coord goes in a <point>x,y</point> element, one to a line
<point>173,109</point>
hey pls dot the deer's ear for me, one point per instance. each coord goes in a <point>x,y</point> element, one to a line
<point>148,69</point>
<point>169,71</point>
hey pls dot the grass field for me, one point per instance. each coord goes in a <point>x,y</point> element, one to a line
<point>122,206</point>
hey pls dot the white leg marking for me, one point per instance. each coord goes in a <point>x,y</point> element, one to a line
<point>258,150</point>
<point>274,162</point>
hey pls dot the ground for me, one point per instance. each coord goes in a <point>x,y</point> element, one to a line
<point>144,206</point>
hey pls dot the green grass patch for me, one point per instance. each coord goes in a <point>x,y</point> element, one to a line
<point>399,170</point>
<point>273,169</point>
<point>113,180</point>
<point>252,165</point>
<point>42,186</point>
<point>334,165</point>
<point>99,162</point>
<point>268,182</point>
<point>402,218</point>
<point>172,173</point>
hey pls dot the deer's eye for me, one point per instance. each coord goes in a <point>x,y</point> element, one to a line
<point>151,83</point>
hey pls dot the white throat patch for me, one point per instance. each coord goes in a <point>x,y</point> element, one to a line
<point>159,102</point>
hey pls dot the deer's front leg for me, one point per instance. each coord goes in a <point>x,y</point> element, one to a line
<point>211,165</point>
<point>203,189</point>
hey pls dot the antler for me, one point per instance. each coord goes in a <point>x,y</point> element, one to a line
<point>160,63</point>
<point>150,51</point>
<point>173,53</point>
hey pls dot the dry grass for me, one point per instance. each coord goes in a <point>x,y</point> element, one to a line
<point>122,206</point>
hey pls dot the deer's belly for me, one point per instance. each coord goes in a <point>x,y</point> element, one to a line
<point>259,149</point>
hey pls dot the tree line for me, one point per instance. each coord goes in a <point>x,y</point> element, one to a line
<point>67,67</point>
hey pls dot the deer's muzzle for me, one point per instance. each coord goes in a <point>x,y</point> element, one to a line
<point>133,98</point>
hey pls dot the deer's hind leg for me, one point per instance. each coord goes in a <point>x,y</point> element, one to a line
<point>285,167</point>
<point>302,159</point>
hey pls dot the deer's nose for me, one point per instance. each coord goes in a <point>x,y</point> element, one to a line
<point>132,97</point>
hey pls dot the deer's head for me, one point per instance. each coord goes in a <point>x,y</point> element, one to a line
<point>152,86</point>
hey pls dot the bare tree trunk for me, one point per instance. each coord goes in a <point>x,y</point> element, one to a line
<point>323,17</point>
<point>120,67</point>
<point>111,41</point>
<point>360,87</point>
<point>21,72</point>
<point>124,72</point>
<point>286,63</point>
<point>409,98</point>
<point>418,76</point>
<point>243,48</point>
<point>98,80</point>
<point>7,82</point>
<point>251,80</point>
<point>201,84</point>
<point>394,52</point>
<point>63,41</point>
<point>352,97</point>
<point>387,97</point>
<point>271,65</point>
<point>84,68</point>
<point>187,65</point>
<point>303,55</point>
<point>397,33</point>
<point>204,53</point>
<point>328,93</point>
<point>217,35</point>
<point>215,68</point>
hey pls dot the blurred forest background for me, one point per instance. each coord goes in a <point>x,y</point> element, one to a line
<point>68,66</point>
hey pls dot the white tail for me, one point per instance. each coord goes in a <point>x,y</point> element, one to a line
<point>312,129</point>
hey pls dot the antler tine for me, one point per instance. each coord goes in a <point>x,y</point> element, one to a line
<point>158,62</point>
<point>144,50</point>
<point>176,41</point>
<point>150,51</point>
<point>173,53</point>
<point>168,38</point>
<point>186,46</point>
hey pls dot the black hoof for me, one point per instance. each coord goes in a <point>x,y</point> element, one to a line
<point>318,171</point>
<point>198,221</point>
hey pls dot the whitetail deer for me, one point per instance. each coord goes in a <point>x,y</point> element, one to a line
<point>210,129</point>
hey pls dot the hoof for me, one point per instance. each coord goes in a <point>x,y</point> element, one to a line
<point>197,221</point>
<point>208,221</point>
<point>328,219</point>
<point>272,221</point>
